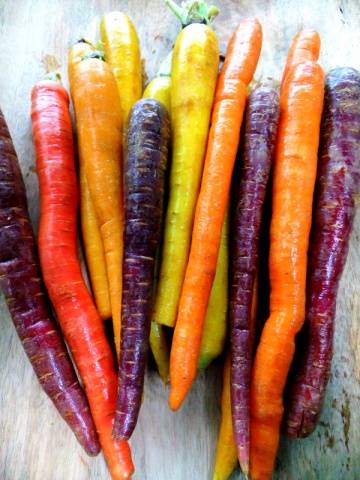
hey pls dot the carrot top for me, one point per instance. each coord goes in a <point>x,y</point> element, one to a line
<point>193,12</point>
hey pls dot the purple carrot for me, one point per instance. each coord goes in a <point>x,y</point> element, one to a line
<point>338,183</point>
<point>25,296</point>
<point>257,148</point>
<point>148,138</point>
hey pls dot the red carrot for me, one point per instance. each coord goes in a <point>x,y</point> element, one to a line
<point>338,184</point>
<point>76,312</point>
<point>26,299</point>
<point>257,151</point>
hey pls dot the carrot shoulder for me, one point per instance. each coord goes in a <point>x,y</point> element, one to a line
<point>305,47</point>
<point>301,102</point>
<point>76,312</point>
<point>98,120</point>
<point>230,96</point>
<point>91,236</point>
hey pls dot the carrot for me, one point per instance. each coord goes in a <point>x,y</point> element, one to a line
<point>305,47</point>
<point>147,144</point>
<point>98,117</point>
<point>215,323</point>
<point>338,185</point>
<point>91,235</point>
<point>24,292</point>
<point>257,151</point>
<point>226,453</point>
<point>76,312</point>
<point>231,91</point>
<point>122,52</point>
<point>301,103</point>
<point>226,450</point>
<point>193,74</point>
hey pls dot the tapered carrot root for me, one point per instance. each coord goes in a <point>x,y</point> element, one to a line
<point>25,296</point>
<point>301,104</point>
<point>98,118</point>
<point>91,236</point>
<point>338,185</point>
<point>227,114</point>
<point>147,145</point>
<point>255,161</point>
<point>76,312</point>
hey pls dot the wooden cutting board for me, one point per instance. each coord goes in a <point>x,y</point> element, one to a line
<point>35,443</point>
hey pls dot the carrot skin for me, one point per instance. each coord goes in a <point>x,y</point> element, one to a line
<point>194,71</point>
<point>305,47</point>
<point>226,454</point>
<point>259,138</point>
<point>25,296</point>
<point>90,229</point>
<point>223,141</point>
<point>301,102</point>
<point>76,312</point>
<point>215,323</point>
<point>147,146</point>
<point>338,184</point>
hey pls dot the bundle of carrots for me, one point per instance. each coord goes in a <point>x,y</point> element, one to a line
<point>230,143</point>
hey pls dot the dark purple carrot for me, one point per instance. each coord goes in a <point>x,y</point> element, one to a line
<point>148,137</point>
<point>258,144</point>
<point>338,184</point>
<point>25,296</point>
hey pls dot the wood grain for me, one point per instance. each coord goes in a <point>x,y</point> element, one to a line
<point>35,443</point>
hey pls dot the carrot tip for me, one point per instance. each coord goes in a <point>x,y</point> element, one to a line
<point>175,400</point>
<point>243,457</point>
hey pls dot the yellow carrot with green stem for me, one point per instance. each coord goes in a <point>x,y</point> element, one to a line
<point>194,71</point>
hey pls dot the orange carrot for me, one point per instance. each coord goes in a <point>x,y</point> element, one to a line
<point>79,320</point>
<point>301,102</point>
<point>305,47</point>
<point>98,120</point>
<point>91,236</point>
<point>231,91</point>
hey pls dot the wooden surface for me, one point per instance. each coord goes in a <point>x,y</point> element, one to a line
<point>35,443</point>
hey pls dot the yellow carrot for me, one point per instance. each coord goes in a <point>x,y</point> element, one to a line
<point>215,324</point>
<point>226,452</point>
<point>122,52</point>
<point>193,77</point>
<point>159,89</point>
<point>98,115</point>
<point>159,349</point>
<point>94,249</point>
